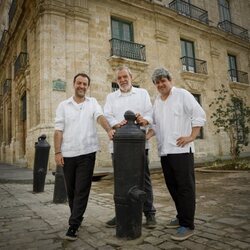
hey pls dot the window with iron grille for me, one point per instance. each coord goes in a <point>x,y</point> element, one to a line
<point>122,30</point>
<point>224,10</point>
<point>232,65</point>
<point>187,55</point>
<point>198,99</point>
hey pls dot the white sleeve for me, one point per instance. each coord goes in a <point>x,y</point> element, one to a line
<point>198,116</point>
<point>60,117</point>
<point>108,112</point>
<point>98,109</point>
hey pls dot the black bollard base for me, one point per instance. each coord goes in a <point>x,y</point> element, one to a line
<point>128,220</point>
<point>38,182</point>
<point>60,194</point>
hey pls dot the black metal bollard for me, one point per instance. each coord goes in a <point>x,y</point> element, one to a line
<point>60,194</point>
<point>42,148</point>
<point>129,159</point>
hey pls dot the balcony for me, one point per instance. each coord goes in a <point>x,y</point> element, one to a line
<point>20,63</point>
<point>189,10</point>
<point>6,86</point>
<point>127,49</point>
<point>194,65</point>
<point>234,29</point>
<point>12,10</point>
<point>238,76</point>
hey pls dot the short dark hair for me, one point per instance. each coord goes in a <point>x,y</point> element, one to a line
<point>160,73</point>
<point>83,75</point>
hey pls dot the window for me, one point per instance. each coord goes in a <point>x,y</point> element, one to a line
<point>187,55</point>
<point>114,86</point>
<point>122,30</point>
<point>197,98</point>
<point>23,107</point>
<point>224,10</point>
<point>232,65</point>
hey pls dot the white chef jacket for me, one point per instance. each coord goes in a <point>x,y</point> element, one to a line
<point>175,117</point>
<point>78,123</point>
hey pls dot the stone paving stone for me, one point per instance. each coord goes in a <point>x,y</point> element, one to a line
<point>231,221</point>
<point>157,233</point>
<point>240,244</point>
<point>78,244</point>
<point>221,245</point>
<point>215,225</point>
<point>218,232</point>
<point>170,246</point>
<point>106,248</point>
<point>207,235</point>
<point>153,240</point>
<point>148,247</point>
<point>192,245</point>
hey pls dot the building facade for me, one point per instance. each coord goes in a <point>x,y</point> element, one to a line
<point>44,43</point>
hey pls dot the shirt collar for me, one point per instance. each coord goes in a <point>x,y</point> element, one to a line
<point>71,100</point>
<point>132,91</point>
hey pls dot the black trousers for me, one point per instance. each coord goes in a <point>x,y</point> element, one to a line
<point>179,176</point>
<point>148,206</point>
<point>78,173</point>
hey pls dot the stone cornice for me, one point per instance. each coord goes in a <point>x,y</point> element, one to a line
<point>65,10</point>
<point>194,81</point>
<point>116,61</point>
<point>186,75</point>
<point>238,85</point>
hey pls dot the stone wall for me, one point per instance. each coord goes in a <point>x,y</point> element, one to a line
<point>67,37</point>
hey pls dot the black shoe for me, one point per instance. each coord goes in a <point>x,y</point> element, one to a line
<point>71,234</point>
<point>150,221</point>
<point>111,223</point>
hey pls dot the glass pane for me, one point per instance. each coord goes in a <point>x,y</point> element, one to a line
<point>115,29</point>
<point>224,10</point>
<point>126,32</point>
<point>190,51</point>
<point>232,62</point>
<point>183,51</point>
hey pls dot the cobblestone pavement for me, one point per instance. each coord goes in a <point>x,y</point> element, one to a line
<point>32,221</point>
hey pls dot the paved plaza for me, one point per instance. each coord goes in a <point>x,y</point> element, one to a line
<point>33,221</point>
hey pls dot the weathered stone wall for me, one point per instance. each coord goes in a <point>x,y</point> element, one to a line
<point>67,37</point>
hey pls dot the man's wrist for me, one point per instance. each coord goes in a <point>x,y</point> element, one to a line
<point>57,153</point>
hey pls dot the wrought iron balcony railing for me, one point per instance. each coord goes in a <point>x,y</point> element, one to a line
<point>127,49</point>
<point>21,62</point>
<point>6,86</point>
<point>3,39</point>
<point>12,10</point>
<point>189,10</point>
<point>194,65</point>
<point>234,29</point>
<point>238,76</point>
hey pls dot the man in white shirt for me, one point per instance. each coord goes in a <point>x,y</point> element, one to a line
<point>177,119</point>
<point>138,101</point>
<point>76,144</point>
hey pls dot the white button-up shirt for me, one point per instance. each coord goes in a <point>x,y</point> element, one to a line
<point>175,117</point>
<point>117,103</point>
<point>78,123</point>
